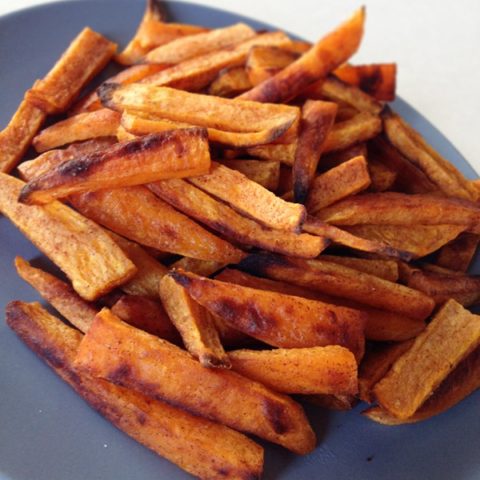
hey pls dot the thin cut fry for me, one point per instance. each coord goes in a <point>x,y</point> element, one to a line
<point>263,172</point>
<point>458,254</point>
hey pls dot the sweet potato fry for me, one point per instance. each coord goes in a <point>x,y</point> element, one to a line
<point>205,268</point>
<point>190,46</point>
<point>84,58</point>
<point>137,214</point>
<point>220,217</point>
<point>450,337</point>
<point>326,370</point>
<point>341,281</point>
<point>17,136</point>
<point>383,178</point>
<point>458,254</point>
<point>347,179</point>
<point>86,254</point>
<point>110,350</point>
<point>59,294</point>
<point>263,172</point>
<point>386,269</point>
<point>230,83</point>
<point>178,153</point>
<point>315,125</point>
<point>100,123</point>
<point>326,55</point>
<point>194,323</point>
<point>283,152</point>
<point>378,80</point>
<point>332,402</point>
<point>336,158</point>
<point>276,319</point>
<point>202,448</point>
<point>250,198</point>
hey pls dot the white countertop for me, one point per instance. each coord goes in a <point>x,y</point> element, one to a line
<point>434,43</point>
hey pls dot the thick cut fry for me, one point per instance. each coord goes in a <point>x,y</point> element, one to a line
<point>347,179</point>
<point>17,136</point>
<point>386,269</point>
<point>195,325</point>
<point>196,73</point>
<point>419,240</point>
<point>378,80</point>
<point>137,214</point>
<point>205,268</point>
<point>315,125</point>
<point>326,55</point>
<point>263,172</point>
<point>325,370</point>
<point>87,255</point>
<point>442,173</point>
<point>276,319</point>
<point>147,314</point>
<point>230,83</point>
<point>458,254</point>
<point>59,294</point>
<point>341,281</point>
<point>202,448</point>
<point>129,357</point>
<point>283,152</point>
<point>178,153</point>
<point>223,219</point>
<point>84,58</point>
<point>460,383</point>
<point>100,123</point>
<point>383,178</point>
<point>450,337</point>
<point>250,198</point>
<point>190,46</point>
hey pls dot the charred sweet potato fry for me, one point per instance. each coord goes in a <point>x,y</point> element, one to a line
<point>459,253</point>
<point>450,337</point>
<point>326,55</point>
<point>326,370</point>
<point>220,217</point>
<point>137,214</point>
<point>347,179</point>
<point>87,255</point>
<point>315,125</point>
<point>202,448</point>
<point>84,58</point>
<point>100,123</point>
<point>164,371</point>
<point>194,323</point>
<point>230,83</point>
<point>263,172</point>
<point>279,320</point>
<point>190,46</point>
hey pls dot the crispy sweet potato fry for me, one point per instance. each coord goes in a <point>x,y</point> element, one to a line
<point>59,294</point>
<point>378,80</point>
<point>184,48</point>
<point>450,337</point>
<point>17,136</point>
<point>342,281</point>
<point>347,179</point>
<point>283,152</point>
<point>205,268</point>
<point>178,153</point>
<point>326,55</point>
<point>84,58</point>
<point>386,269</point>
<point>263,172</point>
<point>220,217</point>
<point>315,125</point>
<point>250,198</point>
<point>110,350</point>
<point>459,253</point>
<point>279,320</point>
<point>230,83</point>
<point>86,254</point>
<point>136,213</point>
<point>194,323</point>
<point>202,448</point>
<point>326,370</point>
<point>383,178</point>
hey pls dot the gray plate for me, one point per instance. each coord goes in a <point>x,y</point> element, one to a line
<point>47,432</point>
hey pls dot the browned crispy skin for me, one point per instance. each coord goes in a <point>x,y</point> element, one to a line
<point>458,254</point>
<point>316,122</point>
<point>449,338</point>
<point>277,319</point>
<point>176,153</point>
<point>225,220</point>
<point>111,350</point>
<point>202,448</point>
<point>263,172</point>
<point>84,58</point>
<point>137,214</point>
<point>230,83</point>
<point>195,324</point>
<point>87,255</point>
<point>326,55</point>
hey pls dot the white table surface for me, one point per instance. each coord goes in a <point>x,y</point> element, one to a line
<point>434,42</point>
